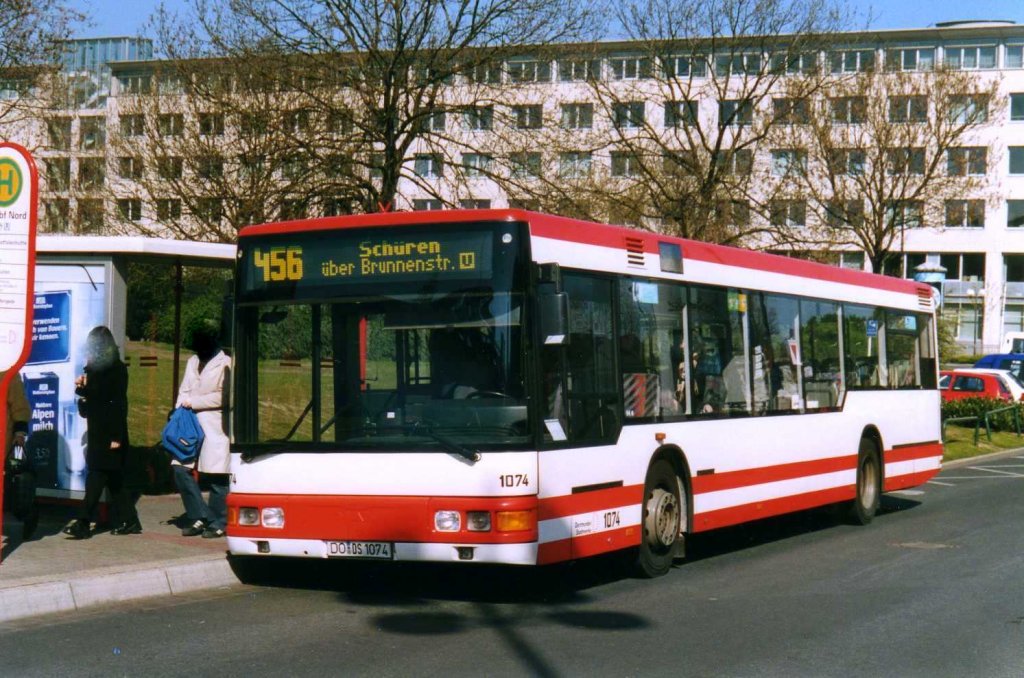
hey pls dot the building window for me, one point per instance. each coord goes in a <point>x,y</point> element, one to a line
<point>423,204</point>
<point>846,161</point>
<point>90,216</point>
<point>577,116</point>
<point>253,124</point>
<point>738,162</point>
<point>528,117</point>
<point>211,124</point>
<point>849,110</point>
<point>1014,56</point>
<point>628,115</point>
<point>294,167</point>
<point>965,161</point>
<point>133,125</point>
<point>529,71</point>
<point>168,167</point>
<point>905,213</point>
<point>58,174</point>
<point>342,122</point>
<point>130,209</point>
<point>1016,159</point>
<point>965,213</point>
<point>485,73</point>
<point>55,215</point>
<point>574,164</point>
<point>129,167</point>
<point>58,131</point>
<point>525,165</point>
<point>296,122</point>
<point>908,108</point>
<point>788,162</point>
<point>170,83</point>
<point>844,213</point>
<point>210,209</point>
<point>795,63</point>
<point>578,70</point>
<point>902,161</point>
<point>788,213</point>
<point>1017,106</point>
<point>428,165</point>
<point>969,58</point>
<point>168,209</point>
<point>477,164</point>
<point>334,206</point>
<point>791,111</point>
<point>686,66</point>
<point>171,124</point>
<point>292,209</point>
<point>92,134</point>
<point>680,113</point>
<point>735,112</point>
<point>732,213</point>
<point>967,109</point>
<point>135,83</point>
<point>91,173</point>
<point>852,60</point>
<point>630,68</point>
<point>210,167</point>
<point>1015,213</point>
<point>478,117</point>
<point>737,64</point>
<point>475,204</point>
<point>852,260</point>
<point>625,164</point>
<point>910,59</point>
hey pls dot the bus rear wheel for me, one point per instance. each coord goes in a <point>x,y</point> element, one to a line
<point>662,518</point>
<point>869,484</point>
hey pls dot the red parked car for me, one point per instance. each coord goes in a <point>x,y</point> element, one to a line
<point>967,383</point>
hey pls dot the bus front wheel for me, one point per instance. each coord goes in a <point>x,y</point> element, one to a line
<point>662,518</point>
<point>869,483</point>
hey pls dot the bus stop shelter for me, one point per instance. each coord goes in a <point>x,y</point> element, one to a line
<point>81,282</point>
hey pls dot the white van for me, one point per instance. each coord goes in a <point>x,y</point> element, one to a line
<point>1013,342</point>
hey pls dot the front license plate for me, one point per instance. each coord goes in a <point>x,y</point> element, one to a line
<point>360,549</point>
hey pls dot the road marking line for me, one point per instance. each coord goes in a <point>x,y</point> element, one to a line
<point>909,493</point>
<point>992,477</point>
<point>936,482</point>
<point>996,471</point>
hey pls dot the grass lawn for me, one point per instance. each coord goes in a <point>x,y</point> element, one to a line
<point>960,442</point>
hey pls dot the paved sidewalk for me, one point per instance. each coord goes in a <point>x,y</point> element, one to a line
<point>53,573</point>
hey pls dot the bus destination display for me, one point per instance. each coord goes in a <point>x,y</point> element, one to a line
<point>337,259</point>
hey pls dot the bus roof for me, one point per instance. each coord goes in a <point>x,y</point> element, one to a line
<point>604,235</point>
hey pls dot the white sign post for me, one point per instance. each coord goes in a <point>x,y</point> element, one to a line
<point>19,198</point>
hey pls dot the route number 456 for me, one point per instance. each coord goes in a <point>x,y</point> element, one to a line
<point>279,264</point>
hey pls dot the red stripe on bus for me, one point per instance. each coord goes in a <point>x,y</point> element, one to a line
<point>909,480</point>
<point>914,452</point>
<point>603,542</point>
<point>554,552</point>
<point>371,518</point>
<point>731,480</point>
<point>587,502</point>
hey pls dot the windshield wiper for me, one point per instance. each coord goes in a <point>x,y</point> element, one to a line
<point>448,444</point>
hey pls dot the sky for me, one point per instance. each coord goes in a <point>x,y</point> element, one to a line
<point>128,17</point>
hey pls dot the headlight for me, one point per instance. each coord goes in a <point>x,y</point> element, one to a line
<point>273,517</point>
<point>447,521</point>
<point>478,521</point>
<point>248,515</point>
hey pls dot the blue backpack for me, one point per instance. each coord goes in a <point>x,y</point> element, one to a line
<point>182,436</point>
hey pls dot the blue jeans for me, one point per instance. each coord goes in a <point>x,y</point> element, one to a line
<point>214,513</point>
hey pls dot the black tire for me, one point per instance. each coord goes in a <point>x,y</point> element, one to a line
<point>662,516</point>
<point>869,484</point>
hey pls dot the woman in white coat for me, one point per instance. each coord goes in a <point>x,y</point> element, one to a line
<point>204,389</point>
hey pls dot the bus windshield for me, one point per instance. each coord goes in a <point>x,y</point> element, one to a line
<point>398,371</point>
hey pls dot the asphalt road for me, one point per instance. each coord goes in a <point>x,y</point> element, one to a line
<point>932,588</point>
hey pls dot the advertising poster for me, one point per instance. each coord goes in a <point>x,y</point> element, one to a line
<point>69,301</point>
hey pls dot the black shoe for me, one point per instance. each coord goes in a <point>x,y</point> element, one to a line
<point>134,527</point>
<point>77,529</point>
<point>213,533</point>
<point>194,530</point>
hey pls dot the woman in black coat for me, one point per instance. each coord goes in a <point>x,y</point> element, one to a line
<point>103,401</point>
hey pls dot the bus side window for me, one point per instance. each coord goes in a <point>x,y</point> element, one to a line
<point>863,326</point>
<point>819,348</point>
<point>716,340</point>
<point>650,349</point>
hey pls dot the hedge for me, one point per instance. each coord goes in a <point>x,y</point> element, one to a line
<point>977,407</point>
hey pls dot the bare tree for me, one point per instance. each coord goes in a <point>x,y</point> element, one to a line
<point>889,150</point>
<point>34,33</point>
<point>681,112</point>
<point>389,87</point>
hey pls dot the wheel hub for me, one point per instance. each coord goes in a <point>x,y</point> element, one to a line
<point>662,523</point>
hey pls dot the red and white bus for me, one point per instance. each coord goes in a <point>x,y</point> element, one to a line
<point>501,386</point>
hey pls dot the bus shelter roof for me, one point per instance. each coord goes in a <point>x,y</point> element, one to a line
<point>140,248</point>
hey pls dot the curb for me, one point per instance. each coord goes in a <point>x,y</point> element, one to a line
<point>956,463</point>
<point>103,587</point>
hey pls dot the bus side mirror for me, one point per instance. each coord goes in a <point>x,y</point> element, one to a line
<point>554,318</point>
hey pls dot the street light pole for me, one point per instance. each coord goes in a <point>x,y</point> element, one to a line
<point>975,296</point>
